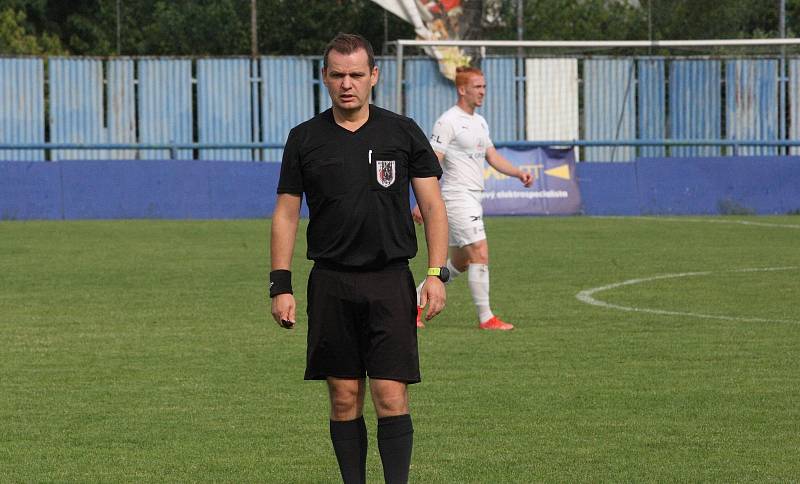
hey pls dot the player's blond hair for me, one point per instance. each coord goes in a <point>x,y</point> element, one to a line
<point>463,75</point>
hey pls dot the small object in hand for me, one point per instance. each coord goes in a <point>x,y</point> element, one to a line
<point>285,323</point>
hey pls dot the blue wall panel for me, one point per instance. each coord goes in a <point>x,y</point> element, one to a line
<point>695,105</point>
<point>130,189</point>
<point>287,98</point>
<point>752,103</point>
<point>165,105</point>
<point>758,185</point>
<point>135,189</point>
<point>21,106</point>
<point>609,110</point>
<point>242,190</point>
<point>30,190</point>
<point>652,105</point>
<point>224,100</point>
<point>608,188</point>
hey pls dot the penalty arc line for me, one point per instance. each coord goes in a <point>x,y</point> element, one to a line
<point>586,296</point>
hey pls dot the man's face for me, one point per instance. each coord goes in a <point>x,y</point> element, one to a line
<point>474,91</point>
<point>349,79</point>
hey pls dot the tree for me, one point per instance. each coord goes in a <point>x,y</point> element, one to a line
<point>16,39</point>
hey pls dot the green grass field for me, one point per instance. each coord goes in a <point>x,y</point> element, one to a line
<point>143,351</point>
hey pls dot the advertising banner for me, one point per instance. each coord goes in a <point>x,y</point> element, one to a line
<point>554,191</point>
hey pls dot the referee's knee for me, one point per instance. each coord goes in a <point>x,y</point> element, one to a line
<point>345,403</point>
<point>387,406</point>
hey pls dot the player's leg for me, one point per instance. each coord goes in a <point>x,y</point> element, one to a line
<point>461,215</point>
<point>348,430</point>
<point>395,429</point>
<point>474,258</point>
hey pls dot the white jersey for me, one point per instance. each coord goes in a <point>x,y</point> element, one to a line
<point>464,139</point>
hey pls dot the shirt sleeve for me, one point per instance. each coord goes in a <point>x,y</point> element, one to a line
<point>423,162</point>
<point>291,178</point>
<point>488,140</point>
<point>443,134</point>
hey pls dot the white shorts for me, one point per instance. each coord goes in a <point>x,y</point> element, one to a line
<point>464,217</point>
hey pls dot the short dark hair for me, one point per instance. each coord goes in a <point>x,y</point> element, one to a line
<point>347,44</point>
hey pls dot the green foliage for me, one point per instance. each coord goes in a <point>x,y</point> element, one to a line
<point>302,27</point>
<point>15,39</point>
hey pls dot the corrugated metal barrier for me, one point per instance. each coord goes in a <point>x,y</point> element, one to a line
<point>694,105</point>
<point>224,107</point>
<point>551,100</point>
<point>167,101</point>
<point>76,106</point>
<point>22,107</point>
<point>121,106</point>
<point>751,99</point>
<point>500,106</point>
<point>287,98</point>
<point>427,93</point>
<point>165,105</point>
<point>609,91</point>
<point>652,99</point>
<point>794,102</point>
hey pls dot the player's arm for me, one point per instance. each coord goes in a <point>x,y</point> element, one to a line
<point>415,212</point>
<point>431,207</point>
<point>501,164</point>
<point>285,220</point>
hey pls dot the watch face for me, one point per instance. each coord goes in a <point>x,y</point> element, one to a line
<point>444,275</point>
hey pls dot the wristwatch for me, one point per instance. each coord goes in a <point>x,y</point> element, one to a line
<point>443,273</point>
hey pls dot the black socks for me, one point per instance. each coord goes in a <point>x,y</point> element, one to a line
<point>395,440</point>
<point>350,445</point>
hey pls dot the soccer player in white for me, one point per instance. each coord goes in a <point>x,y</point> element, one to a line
<point>461,141</point>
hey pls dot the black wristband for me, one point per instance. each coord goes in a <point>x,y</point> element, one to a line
<point>280,282</point>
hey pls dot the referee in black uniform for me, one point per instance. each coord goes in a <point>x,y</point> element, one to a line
<point>354,163</point>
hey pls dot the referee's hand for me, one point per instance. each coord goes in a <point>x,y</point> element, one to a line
<point>283,307</point>
<point>433,295</point>
<point>416,214</point>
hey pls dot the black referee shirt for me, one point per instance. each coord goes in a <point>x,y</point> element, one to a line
<point>356,186</point>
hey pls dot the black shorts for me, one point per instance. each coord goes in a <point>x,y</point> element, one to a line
<point>362,324</point>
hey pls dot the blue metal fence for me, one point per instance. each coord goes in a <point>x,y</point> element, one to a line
<point>694,104</point>
<point>224,107</point>
<point>652,99</point>
<point>165,105</point>
<point>427,93</point>
<point>500,105</point>
<point>609,91</point>
<point>121,106</point>
<point>287,98</point>
<point>22,107</point>
<point>794,102</point>
<point>76,106</point>
<point>242,109</point>
<point>752,103</point>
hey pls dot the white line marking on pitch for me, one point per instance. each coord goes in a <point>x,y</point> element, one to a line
<point>586,296</point>
<point>716,221</point>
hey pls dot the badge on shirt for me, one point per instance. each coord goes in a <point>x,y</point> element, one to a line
<point>385,172</point>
